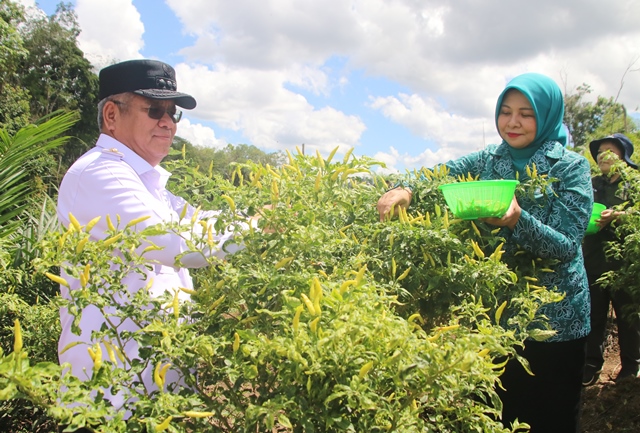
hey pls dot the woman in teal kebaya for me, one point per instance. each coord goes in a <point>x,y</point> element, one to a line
<point>528,115</point>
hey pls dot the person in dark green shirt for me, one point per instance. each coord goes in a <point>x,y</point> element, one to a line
<point>528,115</point>
<point>608,189</point>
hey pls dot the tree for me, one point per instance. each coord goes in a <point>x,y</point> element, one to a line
<point>58,76</point>
<point>14,100</point>
<point>585,118</point>
<point>220,160</point>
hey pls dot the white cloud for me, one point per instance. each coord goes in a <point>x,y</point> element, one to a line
<point>111,31</point>
<point>424,117</point>
<point>460,54</point>
<point>199,134</point>
<point>269,115</point>
<point>269,34</point>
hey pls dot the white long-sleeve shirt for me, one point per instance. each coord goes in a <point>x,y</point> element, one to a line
<point>111,179</point>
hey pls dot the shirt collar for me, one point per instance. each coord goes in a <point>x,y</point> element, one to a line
<point>139,165</point>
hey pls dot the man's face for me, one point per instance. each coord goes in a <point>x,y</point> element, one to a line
<point>150,138</point>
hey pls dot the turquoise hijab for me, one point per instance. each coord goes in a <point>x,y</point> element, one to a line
<point>548,104</point>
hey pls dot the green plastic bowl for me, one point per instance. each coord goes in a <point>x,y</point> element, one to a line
<point>595,214</point>
<point>479,198</point>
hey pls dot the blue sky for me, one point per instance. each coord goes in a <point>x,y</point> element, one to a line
<point>409,83</point>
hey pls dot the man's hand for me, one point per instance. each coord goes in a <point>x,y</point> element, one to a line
<point>395,198</point>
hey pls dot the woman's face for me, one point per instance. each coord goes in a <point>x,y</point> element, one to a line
<point>516,120</point>
<point>605,161</point>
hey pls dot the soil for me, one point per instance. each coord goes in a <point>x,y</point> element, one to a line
<point>608,406</point>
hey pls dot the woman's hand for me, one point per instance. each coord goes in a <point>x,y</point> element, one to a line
<point>607,216</point>
<point>393,199</point>
<point>509,219</point>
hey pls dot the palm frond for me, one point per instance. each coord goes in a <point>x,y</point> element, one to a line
<point>15,152</point>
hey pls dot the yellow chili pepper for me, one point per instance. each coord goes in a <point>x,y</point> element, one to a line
<point>316,289</point>
<point>112,239</point>
<point>230,202</point>
<point>347,155</point>
<point>91,223</point>
<point>69,346</point>
<point>414,317</point>
<point>336,173</point>
<point>308,304</point>
<point>319,158</point>
<point>188,291</point>
<point>477,249</point>
<point>345,285</point>
<point>296,319</point>
<point>499,311</point>
<point>163,371</point>
<point>331,155</point>
<point>97,361</point>
<point>184,211</point>
<point>74,222</point>
<point>110,224</point>
<point>86,272</point>
<point>135,221</point>
<point>448,328</point>
<point>217,302</point>
<point>497,254</point>
<point>404,274</point>
<point>283,262</point>
<point>156,376</point>
<point>236,342</point>
<point>119,354</point>
<point>272,172</point>
<point>152,248</point>
<point>365,369</point>
<point>176,305</point>
<point>110,352</point>
<point>316,186</point>
<point>57,279</point>
<point>475,229</point>
<point>164,424</point>
<point>314,325</point>
<point>196,414</point>
<point>17,336</point>
<point>81,243</point>
<point>92,354</point>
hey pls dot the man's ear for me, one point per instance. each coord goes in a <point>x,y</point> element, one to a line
<point>110,114</point>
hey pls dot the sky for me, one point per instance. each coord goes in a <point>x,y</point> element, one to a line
<point>410,83</point>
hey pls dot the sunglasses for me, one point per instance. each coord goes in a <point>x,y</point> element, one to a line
<point>157,113</point>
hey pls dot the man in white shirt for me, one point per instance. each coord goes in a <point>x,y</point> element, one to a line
<point>120,177</point>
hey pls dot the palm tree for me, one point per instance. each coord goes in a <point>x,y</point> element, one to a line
<point>15,153</point>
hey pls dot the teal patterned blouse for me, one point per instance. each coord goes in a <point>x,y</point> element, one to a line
<point>551,225</point>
